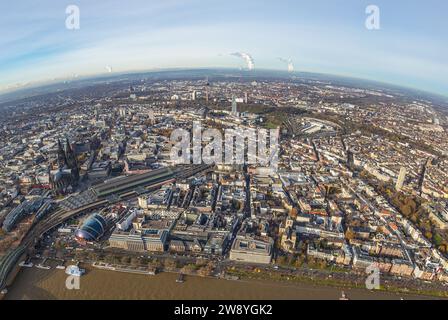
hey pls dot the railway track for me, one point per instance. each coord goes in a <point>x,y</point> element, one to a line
<point>60,216</point>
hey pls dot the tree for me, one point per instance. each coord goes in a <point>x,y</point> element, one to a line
<point>291,260</point>
<point>349,234</point>
<point>322,264</point>
<point>156,263</point>
<point>411,203</point>
<point>135,261</point>
<point>310,261</point>
<point>188,269</point>
<point>207,269</point>
<point>109,258</point>
<point>437,239</point>
<point>170,264</point>
<point>406,210</point>
<point>300,261</point>
<point>293,212</point>
<point>200,261</point>
<point>92,256</point>
<point>281,260</point>
<point>125,260</point>
<point>204,271</point>
<point>80,255</point>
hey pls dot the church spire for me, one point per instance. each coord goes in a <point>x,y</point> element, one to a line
<point>62,159</point>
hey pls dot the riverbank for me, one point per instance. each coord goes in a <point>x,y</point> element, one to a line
<point>33,283</point>
<point>335,283</point>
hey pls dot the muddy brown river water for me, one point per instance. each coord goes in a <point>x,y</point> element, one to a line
<point>33,283</point>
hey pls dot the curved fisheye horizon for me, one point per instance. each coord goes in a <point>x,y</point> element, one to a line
<point>18,90</point>
<point>69,40</point>
<point>223,157</point>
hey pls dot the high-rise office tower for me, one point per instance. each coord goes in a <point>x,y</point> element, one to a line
<point>401,178</point>
<point>234,107</point>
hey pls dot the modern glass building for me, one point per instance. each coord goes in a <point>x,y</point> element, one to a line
<point>92,228</point>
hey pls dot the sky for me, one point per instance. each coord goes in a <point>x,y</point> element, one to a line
<point>324,36</point>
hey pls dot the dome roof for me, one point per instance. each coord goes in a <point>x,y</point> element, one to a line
<point>92,228</point>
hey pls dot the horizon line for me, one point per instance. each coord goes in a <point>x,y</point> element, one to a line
<point>79,78</point>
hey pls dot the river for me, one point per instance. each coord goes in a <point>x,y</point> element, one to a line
<point>33,283</point>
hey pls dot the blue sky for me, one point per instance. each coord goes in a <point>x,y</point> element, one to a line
<point>327,36</point>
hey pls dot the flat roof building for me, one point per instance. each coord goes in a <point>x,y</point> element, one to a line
<point>246,249</point>
<point>149,240</point>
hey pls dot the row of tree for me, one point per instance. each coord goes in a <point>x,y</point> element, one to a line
<point>411,207</point>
